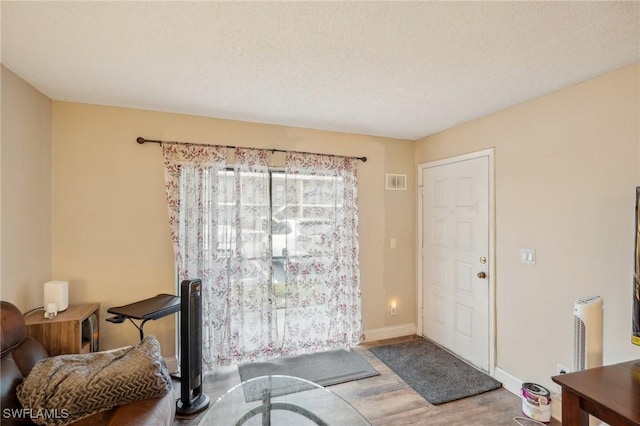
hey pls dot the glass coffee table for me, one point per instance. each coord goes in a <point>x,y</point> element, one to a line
<point>281,400</point>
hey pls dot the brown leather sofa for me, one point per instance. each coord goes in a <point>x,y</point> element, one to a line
<point>20,353</point>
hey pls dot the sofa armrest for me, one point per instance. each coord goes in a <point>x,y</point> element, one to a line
<point>150,412</point>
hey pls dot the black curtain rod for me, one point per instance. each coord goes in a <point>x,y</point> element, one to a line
<point>142,140</point>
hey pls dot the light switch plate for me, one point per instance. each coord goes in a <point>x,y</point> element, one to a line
<point>528,256</point>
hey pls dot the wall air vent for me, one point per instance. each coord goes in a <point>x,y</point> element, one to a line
<point>396,182</point>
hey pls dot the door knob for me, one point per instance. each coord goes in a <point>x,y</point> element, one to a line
<point>482,275</point>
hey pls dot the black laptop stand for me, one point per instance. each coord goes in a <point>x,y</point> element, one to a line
<point>145,310</point>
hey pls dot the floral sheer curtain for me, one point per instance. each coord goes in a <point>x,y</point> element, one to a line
<point>244,327</point>
<point>323,307</point>
<point>221,222</point>
<point>216,238</point>
<point>193,181</point>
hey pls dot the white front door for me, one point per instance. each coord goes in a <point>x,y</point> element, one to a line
<point>455,257</point>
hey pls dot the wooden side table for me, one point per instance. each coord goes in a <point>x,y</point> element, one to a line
<point>611,393</point>
<point>62,334</point>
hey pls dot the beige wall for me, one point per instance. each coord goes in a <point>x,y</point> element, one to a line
<point>565,163</point>
<point>110,232</point>
<point>25,192</point>
<point>566,166</point>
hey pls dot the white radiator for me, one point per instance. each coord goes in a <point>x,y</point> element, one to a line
<point>587,333</point>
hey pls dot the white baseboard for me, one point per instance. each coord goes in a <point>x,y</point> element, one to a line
<point>514,385</point>
<point>390,332</point>
<point>509,382</point>
<point>172,364</point>
<point>370,335</point>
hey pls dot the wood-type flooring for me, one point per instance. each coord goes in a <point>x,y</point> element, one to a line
<point>386,400</point>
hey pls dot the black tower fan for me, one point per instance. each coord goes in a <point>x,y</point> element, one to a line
<point>192,399</point>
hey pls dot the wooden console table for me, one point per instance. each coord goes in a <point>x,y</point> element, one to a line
<point>610,393</point>
<point>62,334</point>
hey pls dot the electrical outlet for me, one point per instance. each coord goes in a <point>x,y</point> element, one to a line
<point>561,369</point>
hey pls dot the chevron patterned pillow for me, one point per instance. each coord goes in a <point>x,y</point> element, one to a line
<point>66,388</point>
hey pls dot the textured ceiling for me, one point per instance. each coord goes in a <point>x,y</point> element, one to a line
<point>397,69</point>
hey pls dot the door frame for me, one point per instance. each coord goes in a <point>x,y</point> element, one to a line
<point>492,253</point>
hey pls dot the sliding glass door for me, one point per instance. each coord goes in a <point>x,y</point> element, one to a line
<point>276,250</point>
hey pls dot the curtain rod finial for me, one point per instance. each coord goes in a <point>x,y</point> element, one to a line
<point>140,140</point>
<point>364,159</point>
